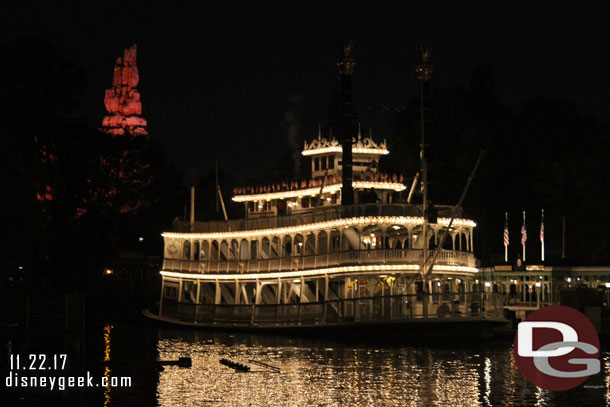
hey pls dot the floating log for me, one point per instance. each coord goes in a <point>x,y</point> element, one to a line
<point>235,365</point>
<point>182,362</point>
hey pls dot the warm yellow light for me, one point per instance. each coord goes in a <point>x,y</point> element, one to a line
<point>311,227</point>
<point>339,149</point>
<point>109,272</point>
<point>330,189</point>
<point>319,272</point>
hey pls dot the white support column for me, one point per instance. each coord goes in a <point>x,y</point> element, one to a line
<point>237,292</point>
<point>162,290</point>
<point>328,231</point>
<point>278,291</point>
<point>258,292</point>
<point>217,296</point>
<point>315,249</point>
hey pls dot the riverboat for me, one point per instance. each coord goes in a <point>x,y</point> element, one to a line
<point>347,251</point>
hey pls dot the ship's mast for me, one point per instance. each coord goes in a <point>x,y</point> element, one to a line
<point>346,69</point>
<point>424,75</point>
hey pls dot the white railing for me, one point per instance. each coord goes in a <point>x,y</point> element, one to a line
<point>320,214</point>
<point>409,256</point>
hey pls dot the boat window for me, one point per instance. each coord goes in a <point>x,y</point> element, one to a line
<point>265,248</point>
<point>310,244</point>
<point>287,246</point>
<point>316,164</point>
<point>171,292</point>
<point>298,244</point>
<point>335,240</point>
<point>214,251</point>
<point>351,239</point>
<point>244,250</point>
<point>331,162</point>
<point>189,292</point>
<point>224,251</point>
<point>275,247</point>
<point>323,162</point>
<point>206,293</point>
<point>448,243</point>
<point>254,249</point>
<point>187,250</point>
<point>305,202</point>
<point>196,250</point>
<point>234,252</point>
<point>203,256</point>
<point>322,242</point>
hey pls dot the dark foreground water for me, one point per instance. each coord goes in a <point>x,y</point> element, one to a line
<point>312,372</point>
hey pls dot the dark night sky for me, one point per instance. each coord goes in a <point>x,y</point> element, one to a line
<point>217,78</point>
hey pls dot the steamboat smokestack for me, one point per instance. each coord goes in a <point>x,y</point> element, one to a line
<point>424,75</point>
<point>348,128</point>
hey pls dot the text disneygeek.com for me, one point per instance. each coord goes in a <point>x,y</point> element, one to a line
<point>21,365</point>
<point>15,380</point>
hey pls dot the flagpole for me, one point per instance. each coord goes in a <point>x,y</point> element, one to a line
<point>505,240</point>
<point>522,240</point>
<point>542,235</point>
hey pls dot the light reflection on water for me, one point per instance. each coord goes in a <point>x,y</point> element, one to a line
<point>324,373</point>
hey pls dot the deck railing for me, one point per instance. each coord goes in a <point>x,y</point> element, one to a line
<point>314,216</point>
<point>353,310</point>
<point>345,258</point>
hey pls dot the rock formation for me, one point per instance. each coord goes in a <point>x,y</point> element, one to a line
<point>122,101</point>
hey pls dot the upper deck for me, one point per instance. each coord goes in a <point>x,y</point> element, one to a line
<point>315,215</point>
<point>326,237</point>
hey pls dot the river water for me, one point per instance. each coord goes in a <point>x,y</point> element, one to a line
<point>310,372</point>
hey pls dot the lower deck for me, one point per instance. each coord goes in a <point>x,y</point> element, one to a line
<point>447,308</point>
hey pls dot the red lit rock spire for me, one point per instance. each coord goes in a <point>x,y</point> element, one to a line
<point>122,101</point>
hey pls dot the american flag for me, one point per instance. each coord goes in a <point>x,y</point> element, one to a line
<point>523,233</point>
<point>506,240</point>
